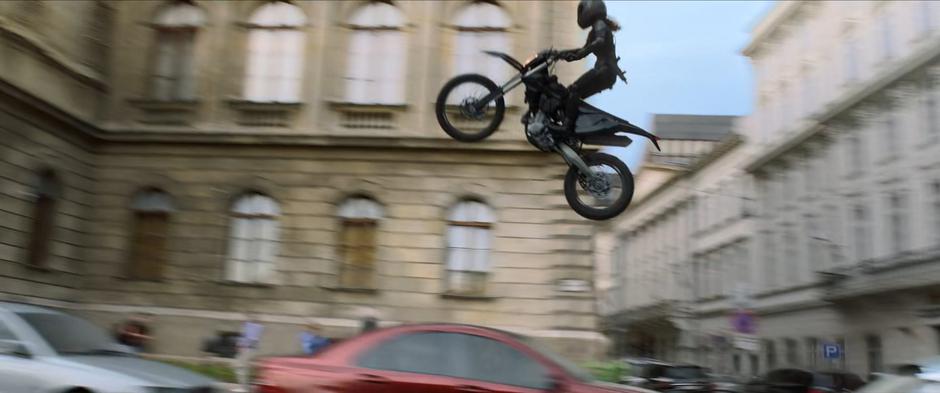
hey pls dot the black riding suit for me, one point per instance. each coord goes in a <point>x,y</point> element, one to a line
<point>600,42</point>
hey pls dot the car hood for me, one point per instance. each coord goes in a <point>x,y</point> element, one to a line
<point>149,373</point>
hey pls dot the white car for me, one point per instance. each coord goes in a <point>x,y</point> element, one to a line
<point>46,351</point>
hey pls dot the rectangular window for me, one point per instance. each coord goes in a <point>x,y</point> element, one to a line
<point>148,250</point>
<point>468,258</point>
<point>856,153</point>
<point>931,111</point>
<point>376,66</point>
<point>935,211</point>
<point>770,257</point>
<point>792,357</point>
<point>814,244</point>
<point>936,331</point>
<point>841,343</point>
<point>887,35</point>
<point>173,74</point>
<point>812,352</point>
<point>898,219</point>
<point>770,349</point>
<point>850,60</point>
<point>358,254</point>
<point>790,258</point>
<point>873,347</point>
<point>862,237</point>
<point>891,134</point>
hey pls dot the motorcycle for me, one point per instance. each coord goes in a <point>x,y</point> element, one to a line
<point>597,186</point>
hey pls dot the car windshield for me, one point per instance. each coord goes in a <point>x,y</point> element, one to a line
<point>684,372</point>
<point>575,371</point>
<point>69,335</point>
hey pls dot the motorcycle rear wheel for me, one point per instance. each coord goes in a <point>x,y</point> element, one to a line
<point>617,175</point>
<point>451,111</point>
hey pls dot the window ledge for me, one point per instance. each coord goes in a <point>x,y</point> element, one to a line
<point>132,279</point>
<point>350,289</point>
<point>242,103</point>
<point>265,113</point>
<point>462,296</point>
<point>245,284</point>
<point>180,105</point>
<point>366,107</point>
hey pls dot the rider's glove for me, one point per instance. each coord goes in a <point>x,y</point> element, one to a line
<point>572,55</point>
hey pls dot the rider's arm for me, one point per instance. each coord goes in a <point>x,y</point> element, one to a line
<point>601,33</point>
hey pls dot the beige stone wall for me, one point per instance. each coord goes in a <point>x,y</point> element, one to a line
<point>52,64</point>
<point>536,240</point>
<point>29,146</point>
<point>57,50</point>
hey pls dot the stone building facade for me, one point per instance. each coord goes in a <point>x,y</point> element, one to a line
<point>826,227</point>
<point>204,160</point>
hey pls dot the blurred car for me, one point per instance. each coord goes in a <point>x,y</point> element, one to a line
<point>726,383</point>
<point>430,358</point>
<point>668,377</point>
<point>791,380</point>
<point>887,383</point>
<point>46,351</point>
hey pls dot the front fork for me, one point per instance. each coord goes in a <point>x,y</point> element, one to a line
<point>573,159</point>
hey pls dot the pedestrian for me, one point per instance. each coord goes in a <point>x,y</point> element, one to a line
<point>369,324</point>
<point>247,343</point>
<point>312,339</point>
<point>135,332</point>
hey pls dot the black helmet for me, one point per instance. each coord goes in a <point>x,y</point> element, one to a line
<point>590,11</point>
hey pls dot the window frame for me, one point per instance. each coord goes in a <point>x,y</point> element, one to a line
<point>234,218</point>
<point>255,27</point>
<point>162,209</point>
<point>350,220</point>
<point>181,37</point>
<point>45,207</point>
<point>379,30</point>
<point>484,224</point>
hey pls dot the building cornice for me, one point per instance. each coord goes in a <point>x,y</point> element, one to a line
<point>74,127</point>
<point>857,95</point>
<point>771,23</point>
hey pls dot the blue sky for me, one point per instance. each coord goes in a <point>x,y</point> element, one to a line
<point>681,57</point>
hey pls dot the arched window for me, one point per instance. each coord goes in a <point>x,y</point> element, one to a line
<point>173,71</point>
<point>375,70</point>
<point>48,189</point>
<point>275,54</point>
<point>481,26</point>
<point>253,239</point>
<point>468,247</point>
<point>152,210</point>
<point>360,217</point>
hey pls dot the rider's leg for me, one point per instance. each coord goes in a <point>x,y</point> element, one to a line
<point>591,83</point>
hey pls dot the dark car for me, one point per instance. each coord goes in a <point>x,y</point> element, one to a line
<point>803,381</point>
<point>429,358</point>
<point>667,377</point>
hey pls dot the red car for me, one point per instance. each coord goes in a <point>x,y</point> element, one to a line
<point>429,358</point>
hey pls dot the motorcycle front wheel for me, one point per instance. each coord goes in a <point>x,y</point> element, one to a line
<point>603,195</point>
<point>459,111</point>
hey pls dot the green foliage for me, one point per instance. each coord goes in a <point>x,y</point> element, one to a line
<point>609,371</point>
<point>219,371</point>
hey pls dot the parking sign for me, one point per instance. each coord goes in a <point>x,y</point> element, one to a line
<point>832,351</point>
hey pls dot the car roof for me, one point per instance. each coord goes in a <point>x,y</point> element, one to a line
<point>26,308</point>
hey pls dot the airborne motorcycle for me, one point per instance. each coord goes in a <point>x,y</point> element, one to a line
<point>598,186</point>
